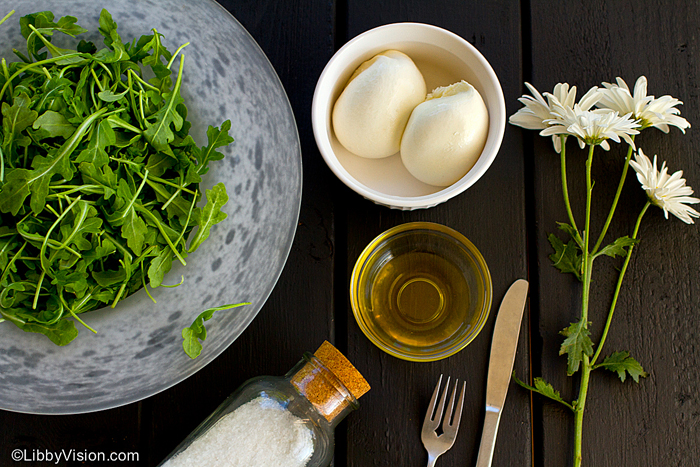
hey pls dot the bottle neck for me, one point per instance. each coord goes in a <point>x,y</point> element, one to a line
<point>323,389</point>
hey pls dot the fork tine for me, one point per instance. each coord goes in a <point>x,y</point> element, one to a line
<point>454,426</point>
<point>448,413</point>
<point>431,409</point>
<point>441,408</point>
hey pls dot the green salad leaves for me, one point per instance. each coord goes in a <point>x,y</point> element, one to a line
<point>99,178</point>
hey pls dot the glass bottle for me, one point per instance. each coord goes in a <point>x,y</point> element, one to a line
<point>270,417</point>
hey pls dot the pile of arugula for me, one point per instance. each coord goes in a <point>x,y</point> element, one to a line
<point>99,178</point>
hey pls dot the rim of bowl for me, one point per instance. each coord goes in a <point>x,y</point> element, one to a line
<point>482,268</point>
<point>285,249</point>
<point>321,132</point>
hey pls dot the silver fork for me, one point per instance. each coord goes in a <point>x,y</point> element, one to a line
<point>434,444</point>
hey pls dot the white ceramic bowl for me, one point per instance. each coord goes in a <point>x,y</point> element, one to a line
<point>444,58</point>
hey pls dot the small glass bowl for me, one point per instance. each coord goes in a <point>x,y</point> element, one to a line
<point>421,291</point>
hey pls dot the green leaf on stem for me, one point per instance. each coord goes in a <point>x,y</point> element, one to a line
<point>55,124</point>
<point>195,333</point>
<point>102,137</point>
<point>577,344</point>
<point>544,388</point>
<point>622,364</point>
<point>60,333</point>
<point>212,214</point>
<point>619,247</point>
<point>108,29</point>
<point>134,231</point>
<point>566,257</point>
<point>160,266</point>
<point>573,233</point>
<point>160,132</point>
<point>16,118</point>
<point>216,138</point>
<point>547,389</point>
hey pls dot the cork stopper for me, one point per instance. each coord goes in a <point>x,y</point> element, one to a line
<point>326,385</point>
<point>342,369</point>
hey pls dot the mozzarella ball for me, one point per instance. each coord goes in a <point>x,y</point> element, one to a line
<point>370,115</point>
<point>445,135</point>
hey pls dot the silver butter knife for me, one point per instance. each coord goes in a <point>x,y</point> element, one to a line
<point>503,346</point>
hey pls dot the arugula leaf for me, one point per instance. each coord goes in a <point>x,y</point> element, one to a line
<point>72,281</point>
<point>104,177</point>
<point>217,138</point>
<point>134,231</point>
<point>577,344</point>
<point>95,152</point>
<point>35,26</point>
<point>158,163</point>
<point>16,118</point>
<point>14,191</point>
<point>160,266</point>
<point>212,214</point>
<point>43,22</point>
<point>73,240</point>
<point>159,133</point>
<point>622,364</point>
<point>109,278</point>
<point>64,56</point>
<point>84,222</point>
<point>56,162</point>
<point>60,333</point>
<point>55,124</point>
<point>566,257</point>
<point>156,47</point>
<point>619,247</point>
<point>108,96</point>
<point>108,29</point>
<point>193,334</point>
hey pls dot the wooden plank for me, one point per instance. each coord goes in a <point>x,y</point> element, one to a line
<point>386,429</point>
<point>656,319</point>
<point>114,430</point>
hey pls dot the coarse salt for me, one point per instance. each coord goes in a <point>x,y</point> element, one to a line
<point>260,433</point>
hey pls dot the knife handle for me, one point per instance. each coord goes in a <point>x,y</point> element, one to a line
<point>488,437</point>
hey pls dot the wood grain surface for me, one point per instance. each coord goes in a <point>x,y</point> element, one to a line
<point>656,422</point>
<point>507,215</point>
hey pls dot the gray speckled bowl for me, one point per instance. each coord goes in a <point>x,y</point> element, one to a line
<point>138,349</point>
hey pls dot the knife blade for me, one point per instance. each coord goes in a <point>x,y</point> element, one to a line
<point>503,347</point>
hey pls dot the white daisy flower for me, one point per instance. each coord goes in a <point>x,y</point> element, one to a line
<point>669,192</point>
<point>591,126</point>
<point>659,113</point>
<point>537,112</point>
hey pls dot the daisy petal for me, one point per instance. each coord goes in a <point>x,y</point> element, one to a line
<point>668,192</point>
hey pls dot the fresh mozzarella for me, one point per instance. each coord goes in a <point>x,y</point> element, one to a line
<point>445,135</point>
<point>370,115</point>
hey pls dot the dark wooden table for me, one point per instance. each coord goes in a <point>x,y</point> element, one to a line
<point>507,214</point>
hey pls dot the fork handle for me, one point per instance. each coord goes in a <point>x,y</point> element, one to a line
<point>488,437</point>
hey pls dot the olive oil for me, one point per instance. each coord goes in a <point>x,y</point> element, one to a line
<point>420,291</point>
<point>420,299</point>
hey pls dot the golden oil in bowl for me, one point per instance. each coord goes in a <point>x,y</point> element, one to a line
<point>421,291</point>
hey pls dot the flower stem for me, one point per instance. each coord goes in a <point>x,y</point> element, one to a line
<point>615,200</point>
<point>565,186</point>
<point>580,404</point>
<point>619,285</point>
<point>578,412</point>
<point>587,257</point>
